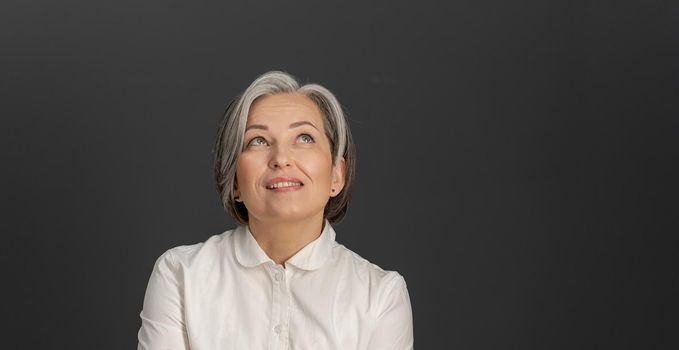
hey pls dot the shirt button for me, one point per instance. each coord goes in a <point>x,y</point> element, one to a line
<point>278,276</point>
<point>277,329</point>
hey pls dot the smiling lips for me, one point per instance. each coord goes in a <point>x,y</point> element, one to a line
<point>284,184</point>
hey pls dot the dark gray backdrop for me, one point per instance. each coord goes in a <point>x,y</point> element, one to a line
<point>517,160</point>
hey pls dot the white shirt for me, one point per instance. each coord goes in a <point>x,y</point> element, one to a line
<point>226,293</point>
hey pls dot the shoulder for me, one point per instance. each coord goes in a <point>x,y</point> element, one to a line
<point>382,295</point>
<point>210,250</point>
<point>377,282</point>
<point>348,258</point>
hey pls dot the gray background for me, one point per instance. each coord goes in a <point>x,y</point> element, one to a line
<point>517,160</point>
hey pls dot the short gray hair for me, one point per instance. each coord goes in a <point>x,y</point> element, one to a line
<point>229,142</point>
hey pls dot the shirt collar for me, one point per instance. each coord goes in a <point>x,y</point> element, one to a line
<point>314,254</point>
<point>311,257</point>
<point>248,252</point>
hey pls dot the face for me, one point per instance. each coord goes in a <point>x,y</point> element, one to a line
<point>285,170</point>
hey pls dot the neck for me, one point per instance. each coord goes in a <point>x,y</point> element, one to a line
<point>281,240</point>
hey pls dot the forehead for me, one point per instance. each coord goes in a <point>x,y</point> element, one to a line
<point>284,108</point>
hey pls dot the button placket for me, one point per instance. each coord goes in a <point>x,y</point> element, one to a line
<point>280,308</point>
<point>275,306</point>
<point>279,276</point>
<point>286,308</point>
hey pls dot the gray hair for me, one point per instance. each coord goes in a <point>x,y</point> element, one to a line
<point>229,142</point>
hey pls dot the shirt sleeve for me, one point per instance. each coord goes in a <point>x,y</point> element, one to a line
<point>162,316</point>
<point>394,327</point>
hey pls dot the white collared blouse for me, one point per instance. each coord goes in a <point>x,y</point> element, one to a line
<point>226,293</point>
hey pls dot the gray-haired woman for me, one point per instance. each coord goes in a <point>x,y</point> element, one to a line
<point>284,165</point>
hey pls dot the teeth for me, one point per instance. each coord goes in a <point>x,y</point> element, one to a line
<point>284,184</point>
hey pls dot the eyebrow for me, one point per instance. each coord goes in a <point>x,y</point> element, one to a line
<point>293,125</point>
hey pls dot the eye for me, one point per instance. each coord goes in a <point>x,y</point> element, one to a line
<point>257,141</point>
<point>305,138</point>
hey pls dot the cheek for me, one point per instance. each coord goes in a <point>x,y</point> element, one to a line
<point>246,170</point>
<point>318,167</point>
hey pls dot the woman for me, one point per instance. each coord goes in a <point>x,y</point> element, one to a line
<point>284,165</point>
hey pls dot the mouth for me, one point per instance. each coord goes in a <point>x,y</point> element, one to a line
<point>284,184</point>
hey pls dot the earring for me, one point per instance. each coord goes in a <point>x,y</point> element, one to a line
<point>333,190</point>
<point>237,199</point>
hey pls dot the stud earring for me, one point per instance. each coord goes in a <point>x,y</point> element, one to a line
<point>333,190</point>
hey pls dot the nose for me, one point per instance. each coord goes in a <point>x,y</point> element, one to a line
<point>280,157</point>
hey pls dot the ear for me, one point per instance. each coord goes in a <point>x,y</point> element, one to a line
<point>338,180</point>
<point>236,193</point>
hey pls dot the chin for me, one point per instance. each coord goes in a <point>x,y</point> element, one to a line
<point>290,214</point>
